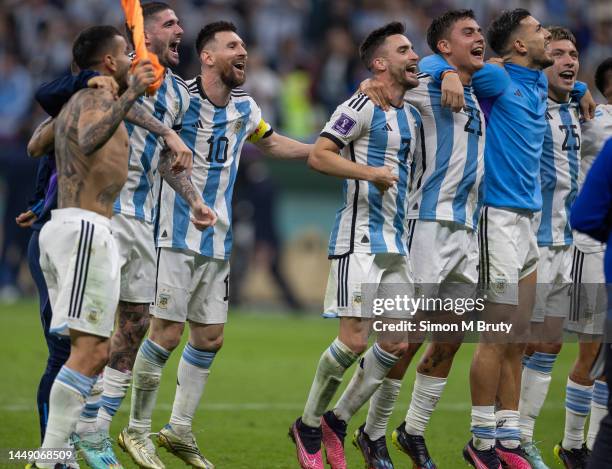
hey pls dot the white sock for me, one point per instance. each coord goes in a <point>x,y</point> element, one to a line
<point>381,407</point>
<point>535,382</point>
<point>89,416</point>
<point>193,371</point>
<point>483,427</point>
<point>425,396</point>
<point>577,406</point>
<point>115,384</point>
<point>147,370</point>
<point>372,369</point>
<point>599,409</point>
<point>66,402</point>
<point>332,365</point>
<point>507,431</point>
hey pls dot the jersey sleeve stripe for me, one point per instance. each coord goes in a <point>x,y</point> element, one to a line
<point>356,98</point>
<point>333,138</point>
<point>357,102</point>
<point>363,103</point>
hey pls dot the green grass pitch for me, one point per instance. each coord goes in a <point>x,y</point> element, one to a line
<point>257,387</point>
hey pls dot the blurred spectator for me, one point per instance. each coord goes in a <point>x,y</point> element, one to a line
<point>335,74</point>
<point>263,85</point>
<point>15,95</point>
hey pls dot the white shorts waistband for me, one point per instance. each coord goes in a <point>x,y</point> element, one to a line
<point>74,214</point>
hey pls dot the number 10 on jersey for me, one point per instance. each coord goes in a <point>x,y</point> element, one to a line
<point>217,150</point>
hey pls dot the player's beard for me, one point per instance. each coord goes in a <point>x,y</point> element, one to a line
<point>161,50</point>
<point>399,75</point>
<point>230,78</point>
<point>122,78</point>
<point>542,60</point>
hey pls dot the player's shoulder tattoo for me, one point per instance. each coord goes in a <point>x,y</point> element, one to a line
<point>92,98</point>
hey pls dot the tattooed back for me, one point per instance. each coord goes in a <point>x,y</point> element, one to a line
<point>89,181</point>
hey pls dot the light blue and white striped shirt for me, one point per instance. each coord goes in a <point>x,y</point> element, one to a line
<point>594,135</point>
<point>371,221</point>
<point>216,136</point>
<point>447,178</point>
<point>138,198</point>
<point>559,171</point>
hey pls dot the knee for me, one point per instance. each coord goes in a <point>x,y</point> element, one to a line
<point>169,341</point>
<point>358,345</point>
<point>99,357</point>
<point>213,344</point>
<point>399,349</point>
<point>167,334</point>
<point>207,337</point>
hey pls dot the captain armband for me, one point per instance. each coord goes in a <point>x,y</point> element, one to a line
<point>262,130</point>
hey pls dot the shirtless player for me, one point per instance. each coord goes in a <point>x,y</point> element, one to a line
<point>79,257</point>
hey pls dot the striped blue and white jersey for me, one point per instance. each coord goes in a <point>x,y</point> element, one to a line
<point>559,170</point>
<point>371,221</point>
<point>215,135</point>
<point>138,197</point>
<point>447,177</point>
<point>594,134</point>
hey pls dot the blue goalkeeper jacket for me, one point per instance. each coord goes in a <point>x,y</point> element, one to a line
<point>513,100</point>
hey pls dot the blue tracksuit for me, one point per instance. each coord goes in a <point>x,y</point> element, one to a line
<point>513,100</point>
<point>592,214</point>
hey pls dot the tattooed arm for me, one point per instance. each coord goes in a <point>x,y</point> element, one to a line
<point>100,114</point>
<point>138,115</point>
<point>183,159</point>
<point>203,216</point>
<point>43,139</point>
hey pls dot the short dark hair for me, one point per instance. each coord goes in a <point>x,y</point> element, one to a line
<point>91,43</point>
<point>558,33</point>
<point>440,26</point>
<point>151,9</point>
<point>600,74</point>
<point>501,29</point>
<point>207,33</point>
<point>375,39</point>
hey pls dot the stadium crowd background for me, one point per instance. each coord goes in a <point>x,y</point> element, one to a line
<point>302,62</point>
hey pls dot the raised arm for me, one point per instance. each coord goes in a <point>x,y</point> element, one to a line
<point>279,146</point>
<point>100,114</point>
<point>203,216</point>
<point>43,139</point>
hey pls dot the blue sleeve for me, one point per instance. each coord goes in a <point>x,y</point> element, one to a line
<point>43,174</point>
<point>53,95</point>
<point>434,65</point>
<point>490,81</point>
<point>579,90</point>
<point>591,212</point>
